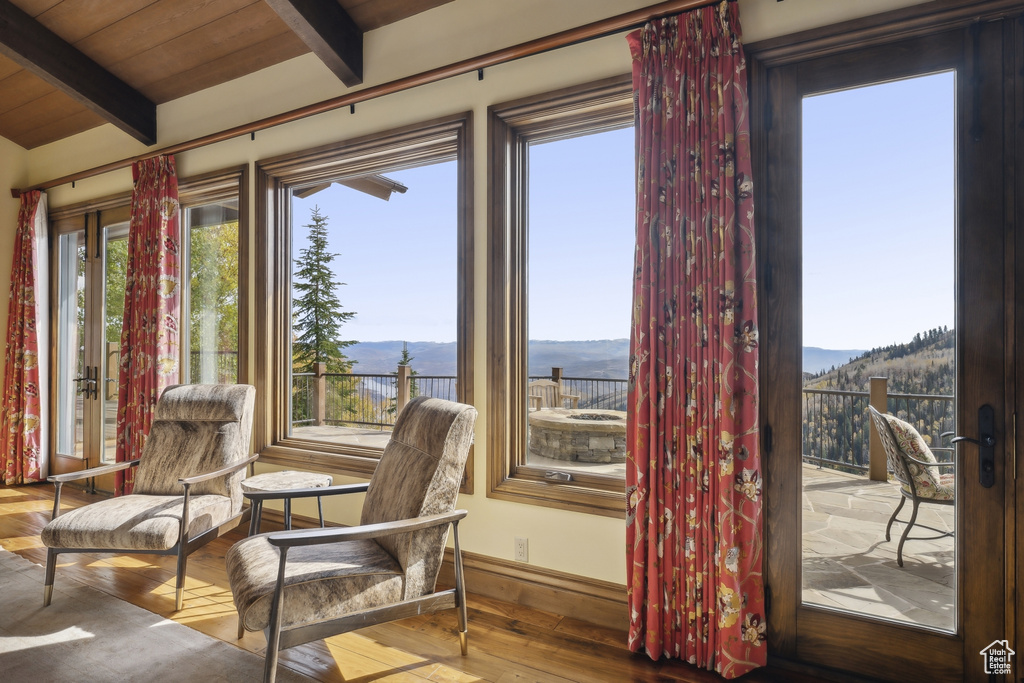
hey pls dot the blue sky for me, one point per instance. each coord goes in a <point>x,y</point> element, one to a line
<point>878,222</point>
<point>878,212</point>
<point>398,258</point>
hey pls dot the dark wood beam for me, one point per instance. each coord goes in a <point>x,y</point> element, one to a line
<point>45,54</point>
<point>329,32</point>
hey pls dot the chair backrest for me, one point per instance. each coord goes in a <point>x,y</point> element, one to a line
<point>197,428</point>
<point>893,455</point>
<point>549,392</point>
<point>419,474</point>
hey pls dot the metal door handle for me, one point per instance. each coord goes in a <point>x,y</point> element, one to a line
<point>92,374</point>
<point>986,443</point>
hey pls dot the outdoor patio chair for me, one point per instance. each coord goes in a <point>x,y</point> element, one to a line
<point>546,393</point>
<point>187,487</point>
<point>916,471</point>
<point>300,586</point>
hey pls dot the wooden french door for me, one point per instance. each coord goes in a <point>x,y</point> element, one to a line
<point>89,258</point>
<point>839,597</point>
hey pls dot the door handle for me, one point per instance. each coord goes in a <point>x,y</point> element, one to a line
<point>986,443</point>
<point>89,390</point>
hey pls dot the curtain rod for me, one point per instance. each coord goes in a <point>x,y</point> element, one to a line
<point>597,29</point>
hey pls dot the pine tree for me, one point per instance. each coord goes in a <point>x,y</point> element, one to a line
<point>317,312</point>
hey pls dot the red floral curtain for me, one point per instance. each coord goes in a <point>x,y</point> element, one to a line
<point>22,424</point>
<point>693,476</point>
<point>149,332</point>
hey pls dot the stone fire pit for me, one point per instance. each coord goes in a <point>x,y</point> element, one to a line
<point>583,435</point>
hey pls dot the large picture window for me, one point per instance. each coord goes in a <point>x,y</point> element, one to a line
<point>371,258</point>
<point>561,251</point>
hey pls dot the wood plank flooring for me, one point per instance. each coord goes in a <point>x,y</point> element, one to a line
<point>507,643</point>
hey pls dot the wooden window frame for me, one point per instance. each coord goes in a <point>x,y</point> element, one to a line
<point>590,108</point>
<point>194,190</point>
<point>448,138</point>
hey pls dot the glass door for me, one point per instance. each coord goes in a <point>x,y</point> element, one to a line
<point>90,256</point>
<point>885,254</point>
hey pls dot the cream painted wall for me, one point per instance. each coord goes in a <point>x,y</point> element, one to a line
<point>586,545</point>
<point>13,165</point>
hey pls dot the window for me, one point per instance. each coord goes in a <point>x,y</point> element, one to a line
<point>561,253</point>
<point>369,265</point>
<point>211,302</point>
<point>90,264</point>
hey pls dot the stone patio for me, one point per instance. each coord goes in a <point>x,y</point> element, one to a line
<point>848,565</point>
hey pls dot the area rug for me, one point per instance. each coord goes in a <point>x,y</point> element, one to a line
<point>87,635</point>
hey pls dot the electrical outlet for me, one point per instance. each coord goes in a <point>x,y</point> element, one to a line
<point>522,550</point>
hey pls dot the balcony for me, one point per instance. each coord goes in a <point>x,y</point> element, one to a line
<point>360,410</point>
<point>847,563</point>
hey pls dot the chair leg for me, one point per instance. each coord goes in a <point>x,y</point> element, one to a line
<point>254,517</point>
<point>460,594</point>
<point>288,514</point>
<point>179,584</point>
<point>906,532</point>
<point>893,518</point>
<point>51,566</point>
<point>320,509</point>
<point>273,630</point>
<point>241,627</point>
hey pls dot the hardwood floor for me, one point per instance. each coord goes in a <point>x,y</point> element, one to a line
<point>507,642</point>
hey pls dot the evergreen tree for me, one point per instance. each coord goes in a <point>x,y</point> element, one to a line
<point>318,315</point>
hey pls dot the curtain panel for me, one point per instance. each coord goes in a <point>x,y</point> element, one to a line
<point>693,474</point>
<point>149,332</point>
<point>23,418</point>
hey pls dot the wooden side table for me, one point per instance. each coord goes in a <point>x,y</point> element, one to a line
<point>282,481</point>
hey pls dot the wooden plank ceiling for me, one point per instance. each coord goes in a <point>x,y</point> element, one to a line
<point>163,50</point>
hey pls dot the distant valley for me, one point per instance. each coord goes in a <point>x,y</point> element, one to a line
<point>599,359</point>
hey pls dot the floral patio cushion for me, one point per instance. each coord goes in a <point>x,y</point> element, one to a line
<point>927,480</point>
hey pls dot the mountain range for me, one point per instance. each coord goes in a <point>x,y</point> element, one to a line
<point>600,358</point>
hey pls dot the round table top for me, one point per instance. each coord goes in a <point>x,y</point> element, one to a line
<point>288,479</point>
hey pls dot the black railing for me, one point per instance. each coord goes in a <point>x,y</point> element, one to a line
<point>357,399</point>
<point>595,393</point>
<point>836,425</point>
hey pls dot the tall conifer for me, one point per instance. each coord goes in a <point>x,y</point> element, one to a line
<point>317,312</point>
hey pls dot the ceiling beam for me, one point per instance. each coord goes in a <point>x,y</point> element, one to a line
<point>45,54</point>
<point>330,33</point>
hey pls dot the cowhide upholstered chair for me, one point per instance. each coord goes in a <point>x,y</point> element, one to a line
<point>916,470</point>
<point>187,486</point>
<point>300,586</point>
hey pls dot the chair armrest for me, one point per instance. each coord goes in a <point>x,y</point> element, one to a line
<point>92,472</point>
<point>188,481</point>
<point>288,539</point>
<point>925,463</point>
<point>307,493</point>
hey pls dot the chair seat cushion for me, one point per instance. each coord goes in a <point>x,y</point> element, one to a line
<point>135,522</point>
<point>321,581</point>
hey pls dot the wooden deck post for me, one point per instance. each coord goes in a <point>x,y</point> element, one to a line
<point>320,404</point>
<point>879,393</point>
<point>404,373</point>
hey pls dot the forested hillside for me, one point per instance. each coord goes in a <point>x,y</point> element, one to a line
<point>923,365</point>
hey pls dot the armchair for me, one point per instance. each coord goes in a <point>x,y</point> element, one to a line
<point>187,486</point>
<point>916,471</point>
<point>300,586</point>
<point>546,393</point>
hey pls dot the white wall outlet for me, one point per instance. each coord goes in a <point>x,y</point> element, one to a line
<point>522,550</point>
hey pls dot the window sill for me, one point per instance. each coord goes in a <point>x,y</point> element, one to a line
<point>531,488</point>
